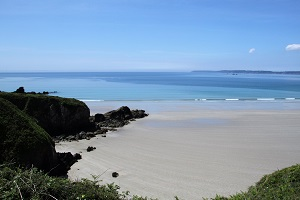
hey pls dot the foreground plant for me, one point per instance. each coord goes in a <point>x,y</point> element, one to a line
<point>34,184</point>
<point>282,184</point>
<point>16,183</point>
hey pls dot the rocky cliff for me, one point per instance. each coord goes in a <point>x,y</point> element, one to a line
<point>22,141</point>
<point>56,115</point>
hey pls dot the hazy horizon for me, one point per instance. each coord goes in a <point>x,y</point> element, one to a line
<point>149,35</point>
<point>127,71</point>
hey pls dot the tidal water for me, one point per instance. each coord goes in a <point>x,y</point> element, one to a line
<point>158,86</point>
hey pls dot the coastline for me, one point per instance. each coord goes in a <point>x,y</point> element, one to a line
<point>192,149</point>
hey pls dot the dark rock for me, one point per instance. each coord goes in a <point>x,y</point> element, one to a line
<point>123,113</point>
<point>65,160</point>
<point>120,117</point>
<point>20,90</point>
<point>115,174</point>
<point>101,131</point>
<point>71,138</point>
<point>77,156</point>
<point>82,135</point>
<point>90,134</point>
<point>90,148</point>
<point>139,114</point>
<point>99,117</point>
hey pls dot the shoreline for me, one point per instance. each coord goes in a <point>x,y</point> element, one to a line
<point>191,150</point>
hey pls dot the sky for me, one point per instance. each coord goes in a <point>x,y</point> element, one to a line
<point>149,35</point>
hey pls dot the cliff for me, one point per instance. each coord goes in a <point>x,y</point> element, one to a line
<point>56,115</point>
<point>22,141</point>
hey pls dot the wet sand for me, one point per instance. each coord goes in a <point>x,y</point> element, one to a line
<point>191,149</point>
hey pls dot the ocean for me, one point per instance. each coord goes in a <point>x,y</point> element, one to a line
<point>158,86</point>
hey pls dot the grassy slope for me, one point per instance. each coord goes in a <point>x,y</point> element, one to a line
<point>282,184</point>
<point>32,184</point>
<point>21,139</point>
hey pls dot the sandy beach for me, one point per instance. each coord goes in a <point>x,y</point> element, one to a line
<point>191,149</point>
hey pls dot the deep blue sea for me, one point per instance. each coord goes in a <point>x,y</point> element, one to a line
<point>157,86</point>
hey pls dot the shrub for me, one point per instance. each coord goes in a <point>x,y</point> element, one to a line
<point>282,184</point>
<point>34,184</point>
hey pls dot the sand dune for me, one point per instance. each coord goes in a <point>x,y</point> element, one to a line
<point>192,150</point>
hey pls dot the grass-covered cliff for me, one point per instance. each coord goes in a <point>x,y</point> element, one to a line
<point>22,141</point>
<point>55,114</point>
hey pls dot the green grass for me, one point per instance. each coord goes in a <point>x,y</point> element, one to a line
<point>27,102</point>
<point>33,184</point>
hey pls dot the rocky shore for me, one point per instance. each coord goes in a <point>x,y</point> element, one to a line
<point>31,124</point>
<point>100,124</point>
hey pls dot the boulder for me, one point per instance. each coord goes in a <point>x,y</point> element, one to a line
<point>139,114</point>
<point>99,117</point>
<point>77,156</point>
<point>115,174</point>
<point>119,117</point>
<point>90,148</point>
<point>65,161</point>
<point>123,113</point>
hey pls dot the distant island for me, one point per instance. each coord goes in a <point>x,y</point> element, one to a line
<point>252,72</point>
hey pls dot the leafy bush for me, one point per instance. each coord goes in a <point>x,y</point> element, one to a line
<point>33,184</point>
<point>16,183</point>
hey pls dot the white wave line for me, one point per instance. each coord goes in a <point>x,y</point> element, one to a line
<point>265,99</point>
<point>94,100</point>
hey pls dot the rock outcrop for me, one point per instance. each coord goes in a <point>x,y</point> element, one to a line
<point>23,142</point>
<point>56,115</point>
<point>65,161</point>
<point>119,117</point>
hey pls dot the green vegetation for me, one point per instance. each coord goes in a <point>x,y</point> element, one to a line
<point>22,140</point>
<point>27,101</point>
<point>33,184</point>
<point>282,185</point>
<point>55,115</point>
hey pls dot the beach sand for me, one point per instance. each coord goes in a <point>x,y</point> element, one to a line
<point>191,149</point>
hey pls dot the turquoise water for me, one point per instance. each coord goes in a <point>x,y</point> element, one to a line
<point>157,86</point>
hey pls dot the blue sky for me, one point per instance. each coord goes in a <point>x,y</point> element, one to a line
<point>149,35</point>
